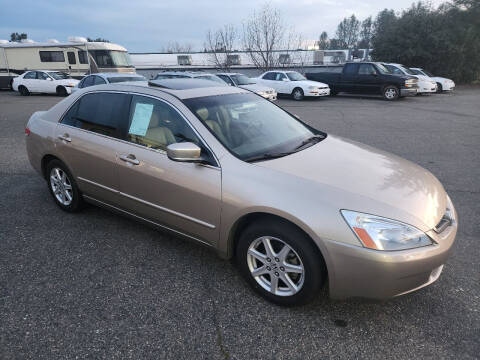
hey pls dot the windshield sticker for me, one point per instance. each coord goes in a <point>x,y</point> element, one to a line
<point>141,119</point>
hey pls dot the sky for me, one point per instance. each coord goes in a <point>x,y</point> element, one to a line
<point>149,25</point>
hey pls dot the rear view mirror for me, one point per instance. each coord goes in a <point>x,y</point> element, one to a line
<point>184,152</point>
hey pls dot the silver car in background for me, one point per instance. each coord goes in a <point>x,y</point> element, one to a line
<point>107,78</point>
<point>221,166</point>
<point>244,82</point>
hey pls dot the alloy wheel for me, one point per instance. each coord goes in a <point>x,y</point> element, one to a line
<point>61,186</point>
<point>390,93</point>
<point>297,94</point>
<point>275,266</point>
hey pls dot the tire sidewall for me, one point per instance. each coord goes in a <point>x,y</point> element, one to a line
<point>77,201</point>
<point>301,92</point>
<point>22,89</point>
<point>439,87</point>
<point>313,263</point>
<point>386,88</point>
<point>61,91</point>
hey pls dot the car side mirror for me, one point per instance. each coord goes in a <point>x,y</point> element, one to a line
<point>284,79</point>
<point>49,79</point>
<point>375,74</point>
<point>184,152</point>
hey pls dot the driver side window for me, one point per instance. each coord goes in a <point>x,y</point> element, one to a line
<point>280,77</point>
<point>155,124</point>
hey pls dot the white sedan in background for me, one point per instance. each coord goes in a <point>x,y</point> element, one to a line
<point>443,84</point>
<point>108,78</point>
<point>244,82</point>
<point>425,83</point>
<point>292,83</point>
<point>44,81</point>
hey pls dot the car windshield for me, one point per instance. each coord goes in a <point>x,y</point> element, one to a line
<point>242,80</point>
<point>211,78</point>
<point>118,79</point>
<point>407,70</point>
<point>417,72</point>
<point>428,73</point>
<point>295,76</point>
<point>111,58</point>
<point>383,69</point>
<point>250,127</point>
<point>57,75</point>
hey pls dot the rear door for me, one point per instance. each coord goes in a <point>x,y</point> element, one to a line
<point>88,138</point>
<point>29,80</point>
<point>182,196</point>
<point>348,80</point>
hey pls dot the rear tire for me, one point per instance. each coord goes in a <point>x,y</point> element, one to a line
<point>298,94</point>
<point>61,91</point>
<point>23,90</point>
<point>291,272</point>
<point>62,187</point>
<point>391,93</point>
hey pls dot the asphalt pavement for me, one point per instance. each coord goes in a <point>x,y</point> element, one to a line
<point>98,285</point>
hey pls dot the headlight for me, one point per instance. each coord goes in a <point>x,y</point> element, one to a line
<point>410,82</point>
<point>379,233</point>
<point>70,85</point>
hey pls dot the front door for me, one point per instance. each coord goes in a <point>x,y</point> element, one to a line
<point>369,80</point>
<point>182,196</point>
<point>88,140</point>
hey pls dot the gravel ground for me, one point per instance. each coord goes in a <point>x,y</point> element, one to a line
<point>97,285</point>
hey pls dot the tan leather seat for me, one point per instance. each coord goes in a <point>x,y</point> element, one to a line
<point>158,136</point>
<point>213,125</point>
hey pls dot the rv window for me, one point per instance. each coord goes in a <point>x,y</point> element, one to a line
<point>71,57</point>
<point>82,57</point>
<point>52,56</point>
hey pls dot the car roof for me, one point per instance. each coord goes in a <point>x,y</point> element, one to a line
<point>148,88</point>
<point>185,73</point>
<point>182,84</point>
<point>116,74</point>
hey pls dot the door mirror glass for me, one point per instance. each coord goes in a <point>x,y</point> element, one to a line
<point>185,151</point>
<point>284,79</point>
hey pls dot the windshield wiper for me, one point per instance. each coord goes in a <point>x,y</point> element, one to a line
<point>268,156</point>
<point>311,140</point>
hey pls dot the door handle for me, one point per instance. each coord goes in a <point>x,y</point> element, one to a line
<point>130,159</point>
<point>65,137</point>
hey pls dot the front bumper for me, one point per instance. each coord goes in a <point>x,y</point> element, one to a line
<point>408,91</point>
<point>427,88</point>
<point>319,92</point>
<point>360,272</point>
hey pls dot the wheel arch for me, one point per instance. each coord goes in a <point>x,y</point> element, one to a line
<point>246,219</point>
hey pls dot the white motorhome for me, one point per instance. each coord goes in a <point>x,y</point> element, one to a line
<point>77,57</point>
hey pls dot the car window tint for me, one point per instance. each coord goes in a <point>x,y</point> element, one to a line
<point>89,81</point>
<point>30,75</point>
<point>366,69</point>
<point>350,69</point>
<point>226,79</point>
<point>42,75</point>
<point>155,124</point>
<point>269,76</point>
<point>280,76</point>
<point>102,113</point>
<point>98,80</point>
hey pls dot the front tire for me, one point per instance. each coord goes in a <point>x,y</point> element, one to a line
<point>23,90</point>
<point>61,91</point>
<point>62,187</point>
<point>280,262</point>
<point>298,94</point>
<point>391,93</point>
<point>439,88</point>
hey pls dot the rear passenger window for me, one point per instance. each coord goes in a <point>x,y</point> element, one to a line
<point>351,69</point>
<point>98,80</point>
<point>102,113</point>
<point>156,125</point>
<point>30,75</point>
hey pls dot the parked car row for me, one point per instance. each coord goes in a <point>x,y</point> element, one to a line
<point>222,166</point>
<point>392,81</point>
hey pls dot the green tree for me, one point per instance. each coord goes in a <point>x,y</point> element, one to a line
<point>323,41</point>
<point>366,32</point>
<point>348,32</point>
<point>17,37</point>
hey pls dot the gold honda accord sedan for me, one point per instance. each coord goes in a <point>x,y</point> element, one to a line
<point>295,207</point>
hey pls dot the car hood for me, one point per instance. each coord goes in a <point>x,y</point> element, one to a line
<point>425,78</point>
<point>439,78</point>
<point>255,87</point>
<point>370,180</point>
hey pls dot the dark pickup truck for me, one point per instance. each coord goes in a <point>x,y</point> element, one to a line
<point>366,78</point>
